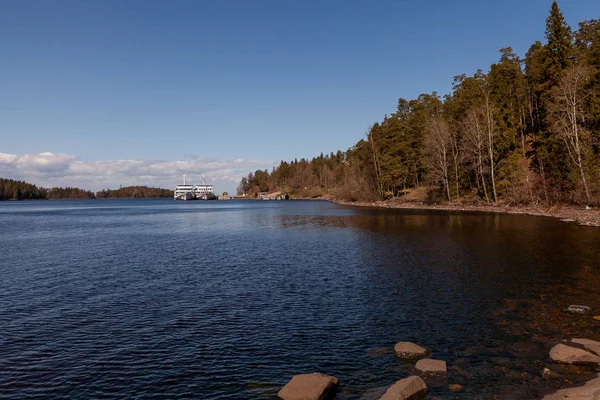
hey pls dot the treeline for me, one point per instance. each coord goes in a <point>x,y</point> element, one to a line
<point>134,192</point>
<point>527,131</point>
<point>19,190</point>
<point>57,193</point>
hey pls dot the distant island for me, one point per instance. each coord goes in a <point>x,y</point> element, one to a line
<point>526,133</point>
<point>134,192</point>
<point>19,190</point>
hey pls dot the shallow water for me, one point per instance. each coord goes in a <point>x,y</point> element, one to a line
<point>228,300</point>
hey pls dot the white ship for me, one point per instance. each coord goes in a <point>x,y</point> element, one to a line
<point>194,192</point>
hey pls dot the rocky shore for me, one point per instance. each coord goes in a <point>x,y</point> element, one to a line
<point>580,215</point>
<point>431,373</point>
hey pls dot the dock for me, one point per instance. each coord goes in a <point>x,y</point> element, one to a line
<point>261,196</point>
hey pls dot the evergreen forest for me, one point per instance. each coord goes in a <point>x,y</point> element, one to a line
<point>527,131</point>
<point>19,190</point>
<point>134,192</point>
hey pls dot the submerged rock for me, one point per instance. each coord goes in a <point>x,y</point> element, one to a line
<point>377,352</point>
<point>373,394</point>
<point>409,351</point>
<point>548,374</point>
<point>578,309</point>
<point>412,388</point>
<point>572,355</point>
<point>455,387</point>
<point>313,386</point>
<point>589,391</point>
<point>590,345</point>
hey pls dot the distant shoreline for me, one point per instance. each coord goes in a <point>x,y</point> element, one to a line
<point>78,198</point>
<point>581,216</point>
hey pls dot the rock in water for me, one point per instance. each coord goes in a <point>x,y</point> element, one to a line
<point>434,372</point>
<point>409,351</point>
<point>313,386</point>
<point>589,391</point>
<point>571,355</point>
<point>428,365</point>
<point>590,345</point>
<point>578,309</point>
<point>548,374</point>
<point>455,387</point>
<point>412,388</point>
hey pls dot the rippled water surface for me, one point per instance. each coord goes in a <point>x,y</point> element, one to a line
<point>228,300</point>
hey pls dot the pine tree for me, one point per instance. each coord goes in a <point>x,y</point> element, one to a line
<point>558,54</point>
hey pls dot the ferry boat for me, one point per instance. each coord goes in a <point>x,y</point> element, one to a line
<point>194,192</point>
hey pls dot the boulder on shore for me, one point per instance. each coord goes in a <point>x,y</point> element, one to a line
<point>590,345</point>
<point>409,351</point>
<point>313,386</point>
<point>412,388</point>
<point>572,355</point>
<point>589,391</point>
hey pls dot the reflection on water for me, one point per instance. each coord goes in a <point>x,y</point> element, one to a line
<point>228,300</point>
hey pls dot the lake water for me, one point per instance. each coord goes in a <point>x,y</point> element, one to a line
<point>228,300</point>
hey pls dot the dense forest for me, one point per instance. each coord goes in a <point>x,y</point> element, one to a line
<point>57,193</point>
<point>19,190</point>
<point>134,192</point>
<point>525,132</point>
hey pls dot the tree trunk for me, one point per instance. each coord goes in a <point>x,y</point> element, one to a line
<point>579,159</point>
<point>490,142</point>
<point>487,198</point>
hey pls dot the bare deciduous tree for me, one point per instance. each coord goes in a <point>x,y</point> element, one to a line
<point>476,136</point>
<point>438,145</point>
<point>491,132</point>
<point>455,146</point>
<point>371,139</point>
<point>568,113</point>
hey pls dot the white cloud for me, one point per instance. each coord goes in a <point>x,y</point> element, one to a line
<point>43,163</point>
<point>49,169</point>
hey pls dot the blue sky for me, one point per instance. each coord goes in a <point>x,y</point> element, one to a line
<point>222,87</point>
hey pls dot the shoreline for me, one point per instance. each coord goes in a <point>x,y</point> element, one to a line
<point>581,216</point>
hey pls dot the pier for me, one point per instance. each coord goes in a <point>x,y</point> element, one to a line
<point>261,196</point>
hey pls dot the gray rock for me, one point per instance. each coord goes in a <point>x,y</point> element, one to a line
<point>589,391</point>
<point>590,345</point>
<point>409,351</point>
<point>578,309</point>
<point>572,355</point>
<point>313,386</point>
<point>412,388</point>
